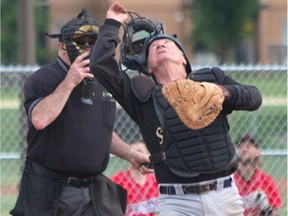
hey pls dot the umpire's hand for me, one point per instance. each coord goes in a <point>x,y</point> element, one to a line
<point>79,70</point>
<point>140,161</point>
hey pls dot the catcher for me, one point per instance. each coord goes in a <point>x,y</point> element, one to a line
<point>182,116</point>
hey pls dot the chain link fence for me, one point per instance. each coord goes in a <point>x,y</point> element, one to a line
<point>268,124</point>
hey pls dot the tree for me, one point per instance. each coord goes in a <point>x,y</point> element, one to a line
<point>220,25</point>
<point>8,32</point>
<point>9,44</point>
<point>42,21</point>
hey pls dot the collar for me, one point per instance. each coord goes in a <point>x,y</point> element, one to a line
<point>62,64</point>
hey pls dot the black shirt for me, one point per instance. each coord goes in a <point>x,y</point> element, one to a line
<point>77,143</point>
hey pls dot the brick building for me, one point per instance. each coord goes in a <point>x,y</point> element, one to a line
<point>270,45</point>
<point>272,32</point>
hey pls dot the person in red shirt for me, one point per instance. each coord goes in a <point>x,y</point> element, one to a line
<point>142,190</point>
<point>257,188</point>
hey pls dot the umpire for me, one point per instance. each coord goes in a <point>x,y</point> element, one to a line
<point>71,119</point>
<point>193,166</point>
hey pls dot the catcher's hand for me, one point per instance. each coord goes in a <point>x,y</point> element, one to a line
<point>196,103</point>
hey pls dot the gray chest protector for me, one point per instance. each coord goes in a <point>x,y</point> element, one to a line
<point>188,152</point>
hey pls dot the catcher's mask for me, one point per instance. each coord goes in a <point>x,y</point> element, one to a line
<point>175,40</point>
<point>136,35</point>
<point>78,34</point>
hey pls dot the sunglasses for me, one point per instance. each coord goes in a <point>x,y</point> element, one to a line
<point>246,162</point>
<point>85,40</point>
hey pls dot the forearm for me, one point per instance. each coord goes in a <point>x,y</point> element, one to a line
<point>120,148</point>
<point>243,97</point>
<point>48,109</point>
<point>103,64</point>
<point>102,59</point>
<point>124,151</point>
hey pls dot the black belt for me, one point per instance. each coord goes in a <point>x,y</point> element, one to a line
<point>194,189</point>
<point>72,181</point>
<point>77,182</point>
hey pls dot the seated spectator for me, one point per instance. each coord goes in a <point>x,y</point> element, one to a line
<point>257,188</point>
<point>142,190</point>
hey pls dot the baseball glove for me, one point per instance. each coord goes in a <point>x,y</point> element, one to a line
<point>196,103</point>
<point>262,201</point>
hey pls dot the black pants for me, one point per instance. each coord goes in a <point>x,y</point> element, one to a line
<point>45,193</point>
<point>76,201</point>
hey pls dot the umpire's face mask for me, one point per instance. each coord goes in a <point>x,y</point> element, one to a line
<point>83,40</point>
<point>78,35</point>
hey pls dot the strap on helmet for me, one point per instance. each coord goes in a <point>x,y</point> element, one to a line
<point>136,34</point>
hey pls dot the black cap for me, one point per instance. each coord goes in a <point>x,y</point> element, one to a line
<point>247,137</point>
<point>176,41</point>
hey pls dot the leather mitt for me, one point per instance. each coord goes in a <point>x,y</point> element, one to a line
<point>196,103</point>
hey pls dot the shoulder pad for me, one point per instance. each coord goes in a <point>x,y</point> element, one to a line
<point>214,75</point>
<point>142,87</point>
<point>203,74</point>
<point>219,74</point>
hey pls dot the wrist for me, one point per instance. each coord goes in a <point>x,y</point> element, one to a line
<point>113,22</point>
<point>226,92</point>
<point>66,86</point>
<point>131,155</point>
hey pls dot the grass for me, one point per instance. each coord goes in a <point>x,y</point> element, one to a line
<point>270,84</point>
<point>10,139</point>
<point>7,203</point>
<point>9,93</point>
<point>269,124</point>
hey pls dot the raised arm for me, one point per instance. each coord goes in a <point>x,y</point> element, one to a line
<point>45,110</point>
<point>103,64</point>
